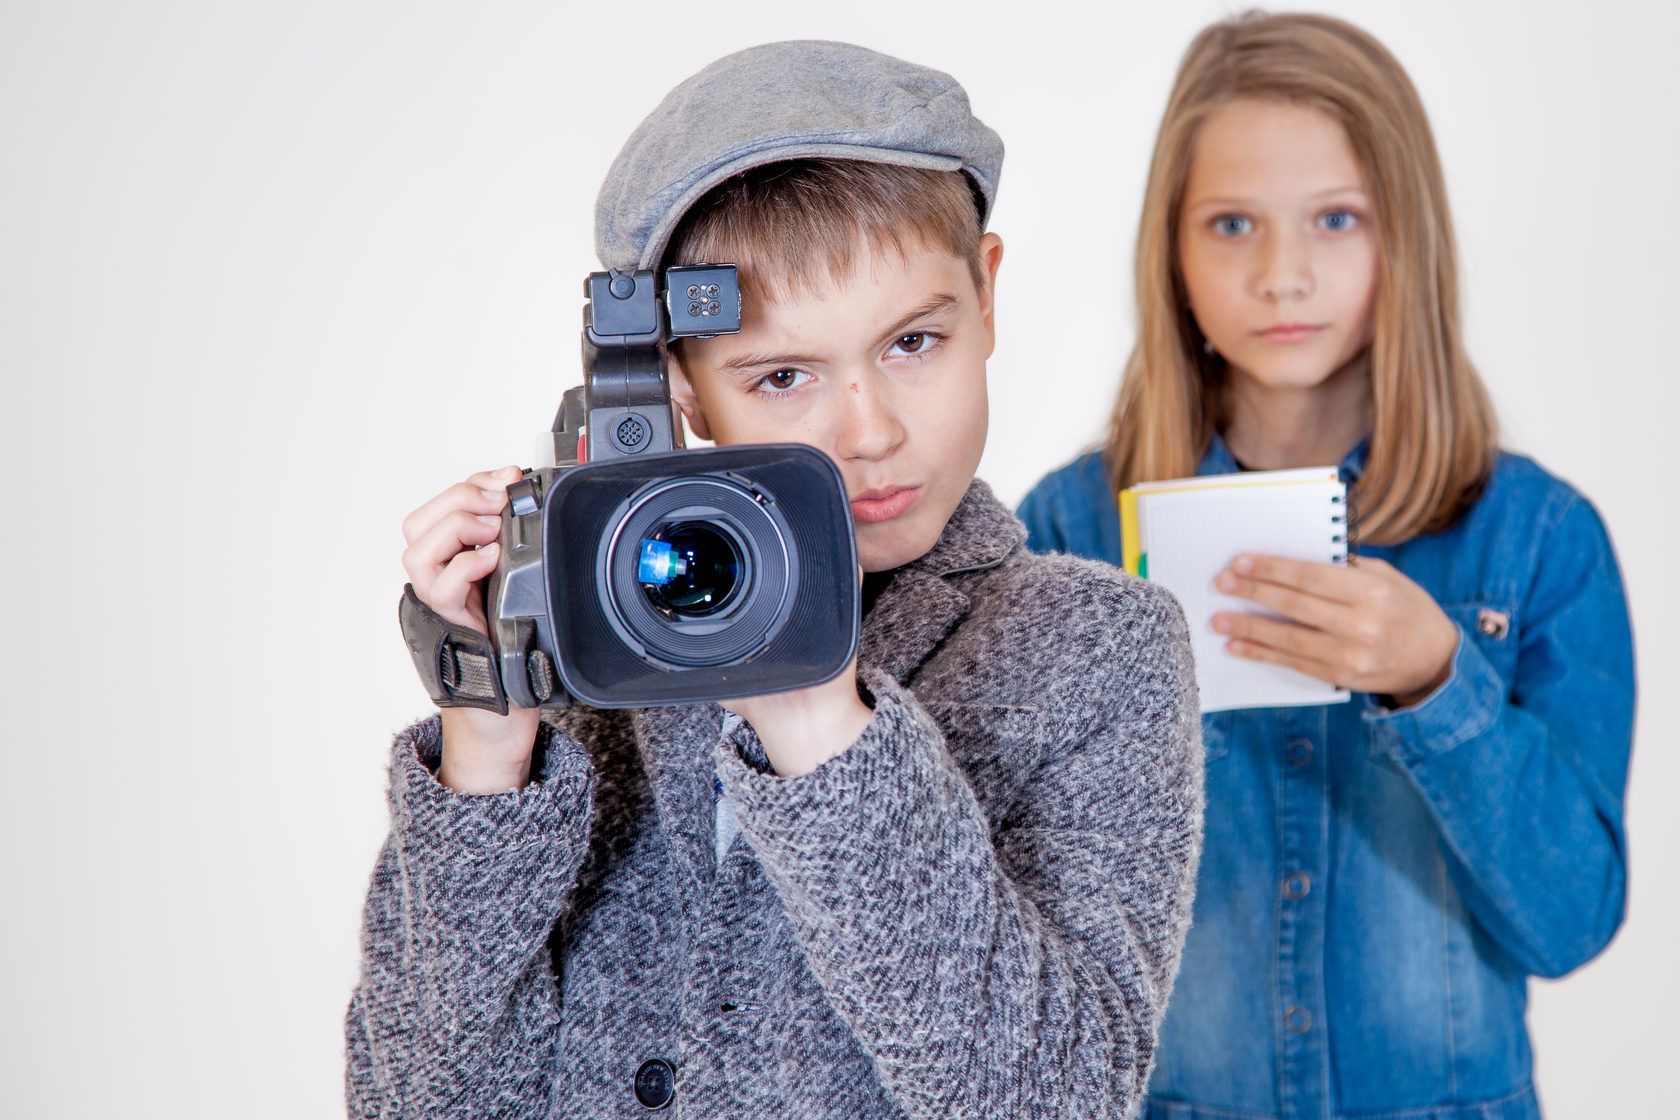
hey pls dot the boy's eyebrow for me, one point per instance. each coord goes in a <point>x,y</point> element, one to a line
<point>934,305</point>
<point>751,361</point>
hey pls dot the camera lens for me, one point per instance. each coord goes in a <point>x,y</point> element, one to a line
<point>689,569</point>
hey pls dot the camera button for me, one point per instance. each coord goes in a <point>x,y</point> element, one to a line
<point>522,497</point>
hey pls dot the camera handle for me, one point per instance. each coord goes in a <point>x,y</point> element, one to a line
<point>457,664</point>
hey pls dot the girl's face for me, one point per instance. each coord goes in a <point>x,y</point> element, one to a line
<point>1276,243</point>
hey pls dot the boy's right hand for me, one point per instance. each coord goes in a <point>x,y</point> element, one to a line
<point>451,548</point>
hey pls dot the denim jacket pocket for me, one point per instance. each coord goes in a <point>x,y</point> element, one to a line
<point>1216,736</point>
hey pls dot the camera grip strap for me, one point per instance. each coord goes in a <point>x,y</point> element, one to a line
<point>456,663</point>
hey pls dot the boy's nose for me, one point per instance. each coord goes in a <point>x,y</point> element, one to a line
<point>869,426</point>
<point>1284,268</point>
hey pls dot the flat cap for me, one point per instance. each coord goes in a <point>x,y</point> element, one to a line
<point>803,99</point>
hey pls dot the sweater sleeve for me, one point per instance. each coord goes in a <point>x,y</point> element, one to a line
<point>1527,783</point>
<point>1019,969</point>
<point>456,1010</point>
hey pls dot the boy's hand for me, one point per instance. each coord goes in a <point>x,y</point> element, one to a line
<point>805,728</point>
<point>801,730</point>
<point>451,547</point>
<point>1365,627</point>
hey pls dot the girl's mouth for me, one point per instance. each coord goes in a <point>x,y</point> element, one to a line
<point>1290,332</point>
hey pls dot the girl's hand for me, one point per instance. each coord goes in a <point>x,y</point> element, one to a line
<point>1365,627</point>
<point>451,547</point>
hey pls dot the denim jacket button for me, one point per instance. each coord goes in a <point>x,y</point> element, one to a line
<point>1299,752</point>
<point>1297,884</point>
<point>1298,1020</point>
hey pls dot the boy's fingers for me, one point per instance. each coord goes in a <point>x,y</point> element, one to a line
<point>1327,581</point>
<point>484,492</point>
<point>451,593</point>
<point>456,532</point>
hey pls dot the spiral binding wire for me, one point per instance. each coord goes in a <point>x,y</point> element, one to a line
<point>1352,520</point>
<point>1348,538</point>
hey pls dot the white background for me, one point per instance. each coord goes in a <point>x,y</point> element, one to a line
<point>272,274</point>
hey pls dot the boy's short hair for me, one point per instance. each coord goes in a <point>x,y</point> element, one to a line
<point>791,225</point>
<point>779,102</point>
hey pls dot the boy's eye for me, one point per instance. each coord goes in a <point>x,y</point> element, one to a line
<point>1337,221</point>
<point>916,342</point>
<point>1231,225</point>
<point>782,380</point>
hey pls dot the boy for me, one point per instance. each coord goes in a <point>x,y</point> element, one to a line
<point>955,880</point>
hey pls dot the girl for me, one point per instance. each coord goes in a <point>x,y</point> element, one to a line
<point>1379,878</point>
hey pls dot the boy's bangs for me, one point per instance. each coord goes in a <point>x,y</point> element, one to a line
<point>795,227</point>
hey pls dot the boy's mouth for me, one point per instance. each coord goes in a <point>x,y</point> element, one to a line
<point>883,504</point>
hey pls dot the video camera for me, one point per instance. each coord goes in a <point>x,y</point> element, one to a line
<point>636,574</point>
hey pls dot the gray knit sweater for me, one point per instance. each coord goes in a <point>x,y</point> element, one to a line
<point>976,910</point>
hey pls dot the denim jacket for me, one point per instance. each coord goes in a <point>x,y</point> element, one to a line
<point>1377,885</point>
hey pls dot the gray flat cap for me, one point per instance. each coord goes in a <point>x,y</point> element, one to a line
<point>792,100</point>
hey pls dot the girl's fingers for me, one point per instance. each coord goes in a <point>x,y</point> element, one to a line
<point>1255,632</point>
<point>484,492</point>
<point>456,532</point>
<point>1301,606</point>
<point>1326,581</point>
<point>1253,651</point>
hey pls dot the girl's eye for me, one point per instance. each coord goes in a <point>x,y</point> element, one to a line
<point>1232,225</point>
<point>782,381</point>
<point>1338,221</point>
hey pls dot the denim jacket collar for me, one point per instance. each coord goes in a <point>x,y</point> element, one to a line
<point>1218,459</point>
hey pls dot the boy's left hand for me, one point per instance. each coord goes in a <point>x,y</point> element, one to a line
<point>1364,627</point>
<point>803,729</point>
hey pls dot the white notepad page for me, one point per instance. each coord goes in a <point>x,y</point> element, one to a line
<point>1191,529</point>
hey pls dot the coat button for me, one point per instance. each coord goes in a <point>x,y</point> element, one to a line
<point>1298,1020</point>
<point>656,1083</point>
<point>1300,752</point>
<point>1297,884</point>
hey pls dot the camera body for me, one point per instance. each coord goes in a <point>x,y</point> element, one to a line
<point>634,573</point>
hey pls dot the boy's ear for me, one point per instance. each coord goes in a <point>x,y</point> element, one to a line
<point>991,255</point>
<point>682,392</point>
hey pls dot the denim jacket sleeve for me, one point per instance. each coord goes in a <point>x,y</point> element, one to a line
<point>1526,776</point>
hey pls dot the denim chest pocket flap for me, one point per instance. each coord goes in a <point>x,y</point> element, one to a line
<point>1493,627</point>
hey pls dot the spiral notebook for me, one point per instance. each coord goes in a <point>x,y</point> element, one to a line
<point>1181,533</point>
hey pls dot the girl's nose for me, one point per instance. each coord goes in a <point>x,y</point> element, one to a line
<point>1284,269</point>
<point>870,427</point>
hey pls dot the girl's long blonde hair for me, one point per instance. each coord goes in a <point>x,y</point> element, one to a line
<point>1433,430</point>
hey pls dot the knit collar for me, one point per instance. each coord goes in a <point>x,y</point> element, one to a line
<point>980,534</point>
<point>923,605</point>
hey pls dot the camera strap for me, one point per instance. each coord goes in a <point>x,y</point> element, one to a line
<point>456,663</point>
